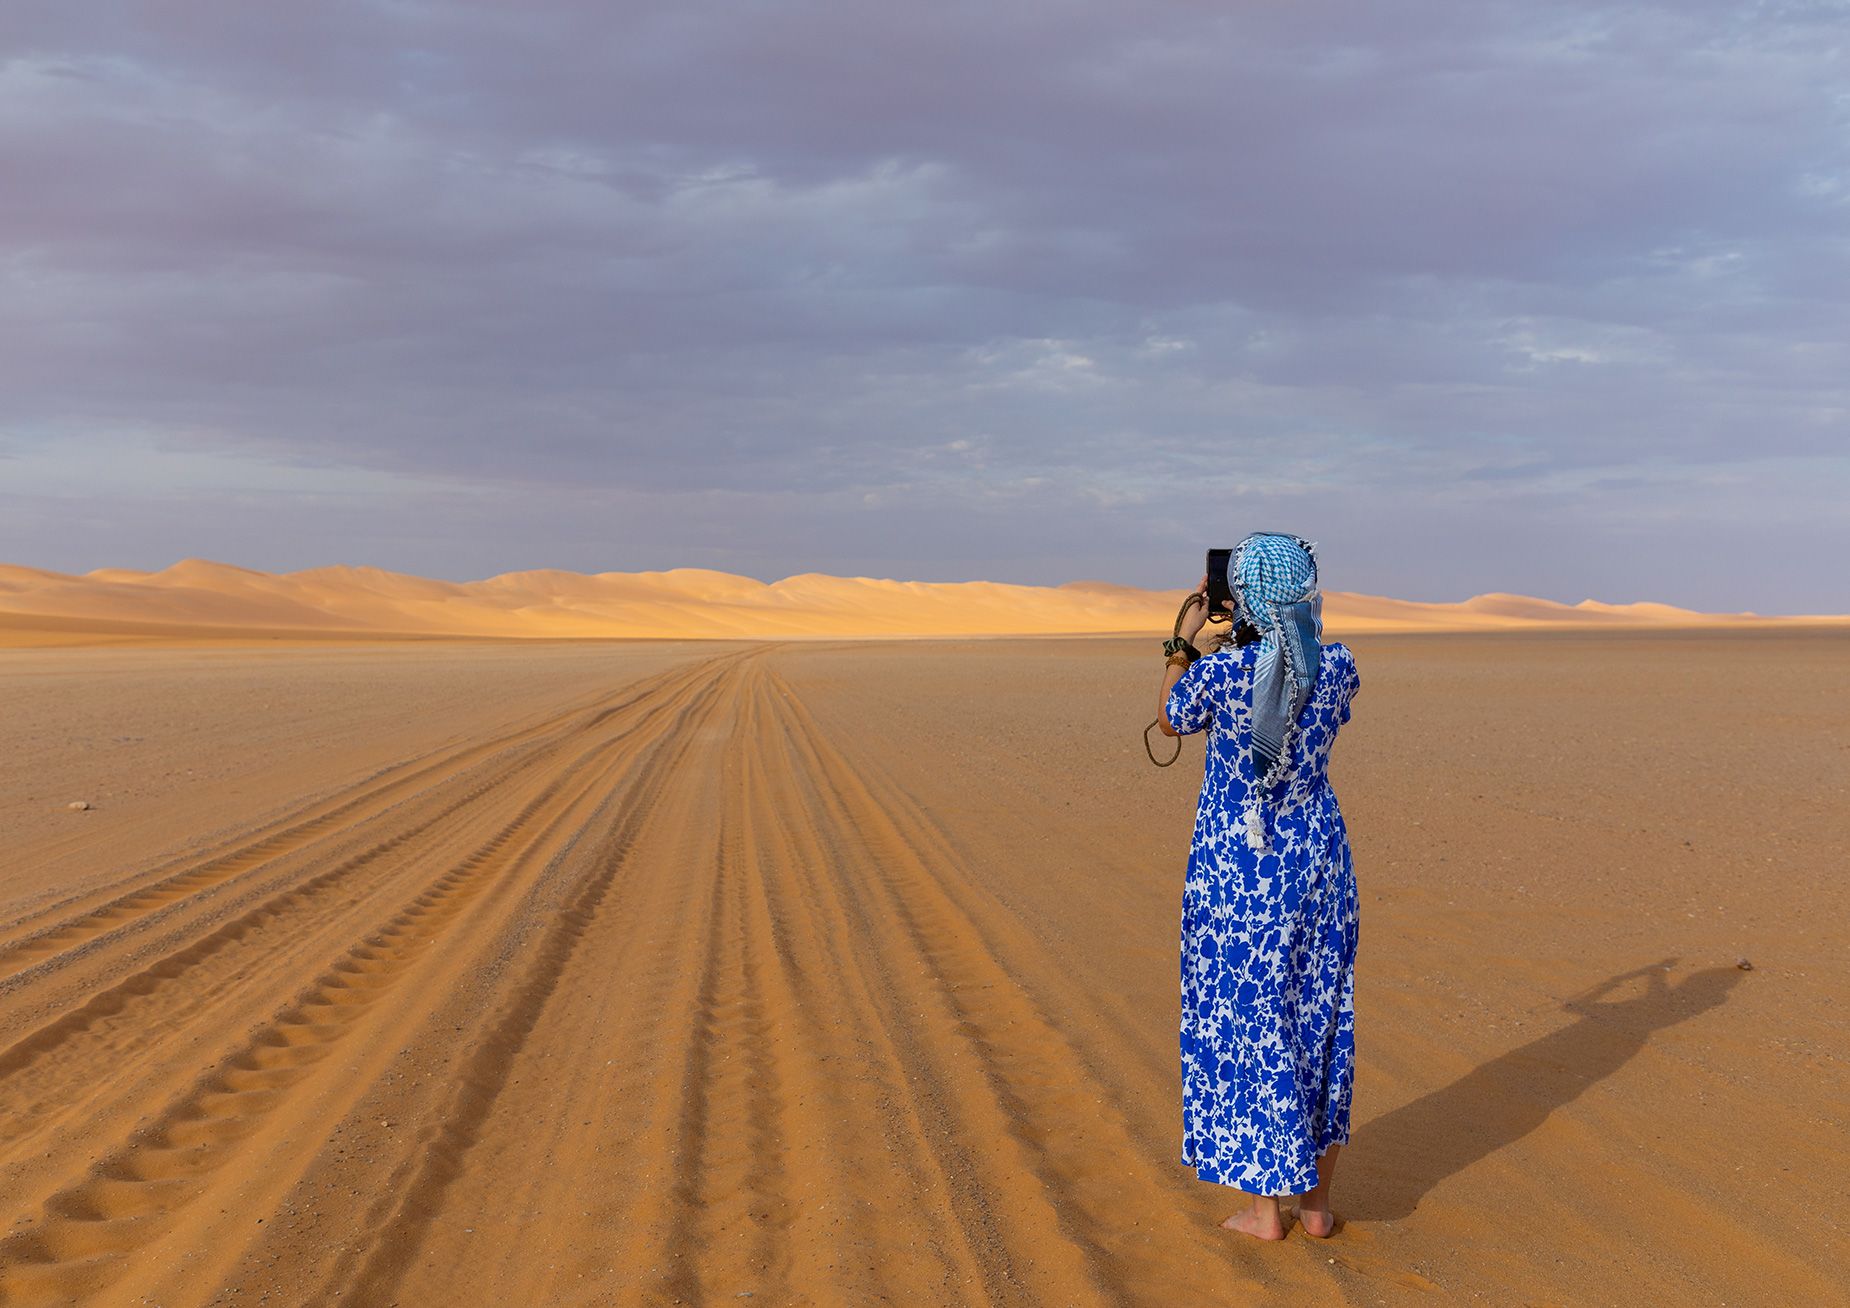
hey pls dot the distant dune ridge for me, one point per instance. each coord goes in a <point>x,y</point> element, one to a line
<point>200,598</point>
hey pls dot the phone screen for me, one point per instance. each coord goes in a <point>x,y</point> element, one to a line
<point>1220,596</point>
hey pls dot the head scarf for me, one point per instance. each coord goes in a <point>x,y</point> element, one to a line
<point>1273,578</point>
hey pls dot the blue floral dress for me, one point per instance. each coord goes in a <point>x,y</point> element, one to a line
<point>1269,920</point>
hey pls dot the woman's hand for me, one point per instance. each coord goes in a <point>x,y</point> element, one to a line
<point>1197,615</point>
<point>1192,619</point>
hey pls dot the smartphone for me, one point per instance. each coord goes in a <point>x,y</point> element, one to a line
<point>1220,595</point>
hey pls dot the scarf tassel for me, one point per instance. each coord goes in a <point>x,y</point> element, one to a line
<point>1258,839</point>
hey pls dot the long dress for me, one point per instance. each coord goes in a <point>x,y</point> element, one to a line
<point>1268,938</point>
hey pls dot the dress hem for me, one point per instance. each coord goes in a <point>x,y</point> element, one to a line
<point>1218,1177</point>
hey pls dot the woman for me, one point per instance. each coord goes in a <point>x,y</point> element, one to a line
<point>1269,907</point>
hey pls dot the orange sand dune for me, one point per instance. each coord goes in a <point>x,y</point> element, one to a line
<point>204,598</point>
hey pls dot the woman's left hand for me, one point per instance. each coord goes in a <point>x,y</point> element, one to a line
<point>1197,615</point>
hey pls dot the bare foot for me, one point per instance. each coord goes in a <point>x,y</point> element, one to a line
<point>1260,1223</point>
<point>1316,1221</point>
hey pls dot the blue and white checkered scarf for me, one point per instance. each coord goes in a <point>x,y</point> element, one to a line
<point>1273,577</point>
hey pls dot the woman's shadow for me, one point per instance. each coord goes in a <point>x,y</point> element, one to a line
<point>1405,1153</point>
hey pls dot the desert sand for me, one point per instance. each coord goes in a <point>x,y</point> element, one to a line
<point>199,601</point>
<point>574,973</point>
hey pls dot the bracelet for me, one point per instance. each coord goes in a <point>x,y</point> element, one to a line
<point>1179,659</point>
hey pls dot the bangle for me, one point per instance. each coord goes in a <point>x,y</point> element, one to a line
<point>1179,659</point>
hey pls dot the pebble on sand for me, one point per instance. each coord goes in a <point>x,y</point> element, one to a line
<point>78,805</point>
<point>1743,964</point>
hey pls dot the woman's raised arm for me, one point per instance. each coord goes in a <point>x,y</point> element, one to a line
<point>1191,626</point>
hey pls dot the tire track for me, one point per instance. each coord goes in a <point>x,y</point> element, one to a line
<point>31,940</point>
<point>88,1227</point>
<point>373,1271</point>
<point>844,1069</point>
<point>1007,1216</point>
<point>730,1186</point>
<point>600,1088</point>
<point>704,1089</point>
<point>120,1007</point>
<point>732,1078</point>
<point>614,1053</point>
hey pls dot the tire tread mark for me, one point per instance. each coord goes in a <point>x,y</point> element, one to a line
<point>86,1229</point>
<point>731,1185</point>
<point>120,1002</point>
<point>297,831</point>
<point>857,1069</point>
<point>372,1271</point>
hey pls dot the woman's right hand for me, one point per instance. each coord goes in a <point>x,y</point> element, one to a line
<point>1197,615</point>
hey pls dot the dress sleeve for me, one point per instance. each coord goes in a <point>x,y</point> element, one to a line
<point>1190,705</point>
<point>1352,682</point>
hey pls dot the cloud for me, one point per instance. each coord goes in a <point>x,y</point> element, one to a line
<point>1411,276</point>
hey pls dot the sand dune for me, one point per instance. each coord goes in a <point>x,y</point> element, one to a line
<point>844,974</point>
<point>203,598</point>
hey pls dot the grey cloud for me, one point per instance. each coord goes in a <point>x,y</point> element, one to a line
<point>1509,269</point>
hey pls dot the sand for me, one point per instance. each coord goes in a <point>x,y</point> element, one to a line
<point>199,601</point>
<point>844,973</point>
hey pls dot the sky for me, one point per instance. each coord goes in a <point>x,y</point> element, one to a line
<point>1547,297</point>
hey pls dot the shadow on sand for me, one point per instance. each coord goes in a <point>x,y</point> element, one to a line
<point>1404,1154</point>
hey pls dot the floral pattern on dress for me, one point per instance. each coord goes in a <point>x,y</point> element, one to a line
<point>1269,925</point>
